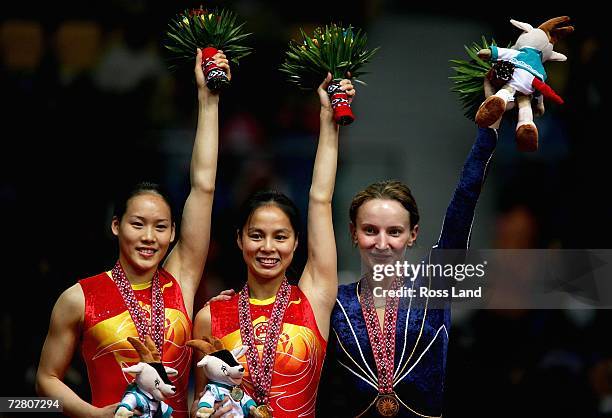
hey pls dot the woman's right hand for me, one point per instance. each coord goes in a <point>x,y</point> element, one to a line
<point>346,85</point>
<point>221,61</point>
<point>108,411</point>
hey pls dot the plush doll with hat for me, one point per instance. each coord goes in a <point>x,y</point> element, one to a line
<point>224,375</point>
<point>523,76</point>
<point>147,393</point>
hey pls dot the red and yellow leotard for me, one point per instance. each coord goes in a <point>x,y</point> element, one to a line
<point>299,353</point>
<point>107,324</point>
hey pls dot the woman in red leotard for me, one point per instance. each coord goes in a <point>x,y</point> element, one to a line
<point>286,327</point>
<point>139,295</point>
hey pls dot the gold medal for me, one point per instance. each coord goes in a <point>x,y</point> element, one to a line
<point>264,411</point>
<point>237,393</point>
<point>387,405</point>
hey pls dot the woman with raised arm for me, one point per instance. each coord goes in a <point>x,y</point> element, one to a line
<point>139,296</point>
<point>387,355</point>
<point>285,326</point>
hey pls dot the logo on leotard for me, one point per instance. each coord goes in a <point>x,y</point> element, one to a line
<point>259,331</point>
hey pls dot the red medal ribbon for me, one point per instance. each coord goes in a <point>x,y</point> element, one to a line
<point>261,372</point>
<point>155,328</point>
<point>383,346</point>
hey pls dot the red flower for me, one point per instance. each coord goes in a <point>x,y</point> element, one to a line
<point>198,12</point>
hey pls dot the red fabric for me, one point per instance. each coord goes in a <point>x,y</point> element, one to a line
<point>208,53</point>
<point>208,63</point>
<point>343,114</point>
<point>546,90</point>
<point>107,324</point>
<point>300,351</point>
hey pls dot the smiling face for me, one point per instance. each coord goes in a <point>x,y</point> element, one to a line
<point>382,231</point>
<point>268,242</point>
<point>145,232</point>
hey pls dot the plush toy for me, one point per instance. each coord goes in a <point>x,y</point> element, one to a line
<point>522,76</point>
<point>224,375</point>
<point>151,387</point>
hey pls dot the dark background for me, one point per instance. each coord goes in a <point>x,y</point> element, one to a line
<point>87,107</point>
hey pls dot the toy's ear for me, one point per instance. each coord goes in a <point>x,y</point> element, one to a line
<point>200,345</point>
<point>136,368</point>
<point>170,371</point>
<point>216,343</point>
<point>203,362</point>
<point>556,56</point>
<point>239,352</point>
<point>521,25</point>
<point>142,349</point>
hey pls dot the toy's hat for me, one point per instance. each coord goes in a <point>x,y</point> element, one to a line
<point>556,33</point>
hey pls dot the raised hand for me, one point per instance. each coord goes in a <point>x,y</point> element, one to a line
<point>220,60</point>
<point>346,85</point>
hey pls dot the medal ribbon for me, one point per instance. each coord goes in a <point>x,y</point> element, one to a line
<point>261,372</point>
<point>383,346</point>
<point>155,328</point>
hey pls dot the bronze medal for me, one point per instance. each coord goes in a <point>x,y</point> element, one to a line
<point>387,405</point>
<point>264,411</point>
<point>237,393</point>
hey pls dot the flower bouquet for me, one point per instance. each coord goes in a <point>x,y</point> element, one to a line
<point>335,49</point>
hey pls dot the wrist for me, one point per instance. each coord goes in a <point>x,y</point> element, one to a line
<point>206,98</point>
<point>326,114</point>
<point>98,412</point>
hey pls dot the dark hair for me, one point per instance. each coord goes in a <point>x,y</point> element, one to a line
<point>144,187</point>
<point>265,198</point>
<point>388,189</point>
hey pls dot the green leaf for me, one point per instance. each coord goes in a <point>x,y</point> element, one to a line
<point>468,78</point>
<point>198,28</point>
<point>332,48</point>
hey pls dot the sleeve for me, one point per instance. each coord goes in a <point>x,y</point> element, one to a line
<point>129,401</point>
<point>502,53</point>
<point>208,399</point>
<point>494,52</point>
<point>166,410</point>
<point>457,225</point>
<point>247,405</point>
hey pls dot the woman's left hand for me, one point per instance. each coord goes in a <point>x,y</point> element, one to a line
<point>224,295</point>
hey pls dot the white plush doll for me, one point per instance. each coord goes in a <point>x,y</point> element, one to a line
<point>224,375</point>
<point>532,49</point>
<point>151,387</point>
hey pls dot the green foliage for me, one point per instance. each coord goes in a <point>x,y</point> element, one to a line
<point>469,78</point>
<point>200,28</point>
<point>331,49</point>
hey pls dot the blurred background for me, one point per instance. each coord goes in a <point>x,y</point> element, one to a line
<point>88,106</point>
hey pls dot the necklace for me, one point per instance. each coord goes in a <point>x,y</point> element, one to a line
<point>261,371</point>
<point>154,328</point>
<point>383,346</point>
